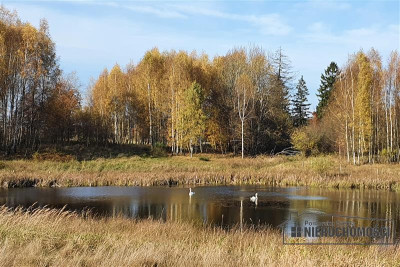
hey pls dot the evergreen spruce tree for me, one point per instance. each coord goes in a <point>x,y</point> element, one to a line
<point>327,81</point>
<point>284,77</point>
<point>300,110</point>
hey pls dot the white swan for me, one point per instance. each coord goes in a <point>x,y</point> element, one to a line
<point>254,198</point>
<point>191,193</point>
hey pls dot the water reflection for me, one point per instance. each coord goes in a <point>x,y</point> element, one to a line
<point>220,205</point>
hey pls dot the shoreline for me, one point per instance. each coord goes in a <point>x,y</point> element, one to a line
<point>208,180</point>
<point>324,172</point>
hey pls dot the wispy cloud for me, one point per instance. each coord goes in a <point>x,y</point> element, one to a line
<point>324,4</point>
<point>272,24</point>
<point>268,24</point>
<point>159,12</point>
<point>384,36</point>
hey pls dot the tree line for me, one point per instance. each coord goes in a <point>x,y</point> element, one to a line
<point>32,87</point>
<point>238,102</point>
<point>358,111</point>
<point>245,101</point>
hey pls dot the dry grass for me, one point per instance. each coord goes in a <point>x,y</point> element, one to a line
<point>46,237</point>
<point>323,171</point>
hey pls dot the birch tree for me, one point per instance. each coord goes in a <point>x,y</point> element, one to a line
<point>244,90</point>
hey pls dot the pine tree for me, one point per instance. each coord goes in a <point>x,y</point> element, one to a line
<point>300,110</point>
<point>327,81</point>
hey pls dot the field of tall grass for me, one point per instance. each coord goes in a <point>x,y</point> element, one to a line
<point>323,171</point>
<point>45,237</point>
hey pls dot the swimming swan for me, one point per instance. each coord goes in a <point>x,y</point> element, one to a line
<point>191,193</point>
<point>254,198</point>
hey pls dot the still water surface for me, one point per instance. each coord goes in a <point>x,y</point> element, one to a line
<point>216,205</point>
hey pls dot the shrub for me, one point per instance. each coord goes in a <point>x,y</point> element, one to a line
<point>388,156</point>
<point>304,142</point>
<point>204,158</point>
<point>159,150</point>
<point>311,141</point>
<point>52,156</point>
<point>321,165</point>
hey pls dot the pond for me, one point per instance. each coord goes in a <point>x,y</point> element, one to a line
<point>216,205</point>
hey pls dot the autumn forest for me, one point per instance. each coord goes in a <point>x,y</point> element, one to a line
<point>247,102</point>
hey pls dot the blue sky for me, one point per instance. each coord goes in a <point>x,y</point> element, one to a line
<point>92,35</point>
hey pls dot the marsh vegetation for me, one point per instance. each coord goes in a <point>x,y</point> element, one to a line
<point>52,238</point>
<point>126,168</point>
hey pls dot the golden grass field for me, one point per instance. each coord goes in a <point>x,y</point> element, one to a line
<point>44,237</point>
<point>322,171</point>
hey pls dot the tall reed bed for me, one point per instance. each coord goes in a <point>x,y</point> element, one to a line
<point>47,237</point>
<point>328,171</point>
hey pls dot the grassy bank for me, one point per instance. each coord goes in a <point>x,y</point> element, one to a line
<point>54,238</point>
<point>324,171</point>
